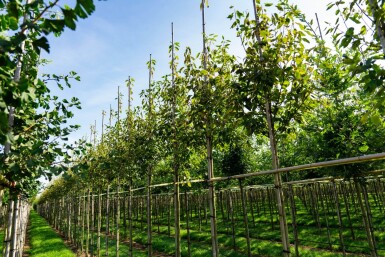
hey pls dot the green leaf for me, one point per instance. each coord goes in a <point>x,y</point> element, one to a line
<point>13,9</point>
<point>69,18</point>
<point>355,20</point>
<point>376,119</point>
<point>363,148</point>
<point>53,25</point>
<point>346,41</point>
<point>84,8</point>
<point>350,32</point>
<point>13,23</point>
<point>41,43</point>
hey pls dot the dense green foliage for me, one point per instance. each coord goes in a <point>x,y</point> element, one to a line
<point>32,119</point>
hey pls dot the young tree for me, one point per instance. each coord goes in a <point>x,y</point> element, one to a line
<point>274,79</point>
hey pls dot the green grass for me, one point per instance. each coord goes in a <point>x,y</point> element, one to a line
<point>2,235</point>
<point>124,248</point>
<point>201,245</point>
<point>265,240</point>
<point>44,242</point>
<point>264,230</point>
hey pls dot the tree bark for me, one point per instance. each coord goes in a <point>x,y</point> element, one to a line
<point>278,182</point>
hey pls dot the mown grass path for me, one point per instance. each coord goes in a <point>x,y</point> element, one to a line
<point>44,241</point>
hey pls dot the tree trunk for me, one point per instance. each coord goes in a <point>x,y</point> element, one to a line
<point>88,223</point>
<point>130,217</point>
<point>187,224</point>
<point>8,232</point>
<point>117,218</point>
<point>149,212</point>
<point>278,182</point>
<point>107,217</point>
<point>245,219</point>
<point>337,204</point>
<point>99,222</point>
<point>211,196</point>
<point>177,212</point>
<point>15,228</point>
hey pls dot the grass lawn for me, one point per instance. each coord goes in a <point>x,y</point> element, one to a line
<point>2,234</point>
<point>44,241</point>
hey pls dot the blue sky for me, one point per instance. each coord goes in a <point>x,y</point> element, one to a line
<point>116,40</point>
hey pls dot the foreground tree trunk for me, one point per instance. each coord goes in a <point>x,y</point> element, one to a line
<point>278,183</point>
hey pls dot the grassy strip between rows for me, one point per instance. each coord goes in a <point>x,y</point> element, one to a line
<point>44,241</point>
<point>201,245</point>
<point>2,235</point>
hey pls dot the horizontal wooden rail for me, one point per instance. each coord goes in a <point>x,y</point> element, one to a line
<point>317,165</point>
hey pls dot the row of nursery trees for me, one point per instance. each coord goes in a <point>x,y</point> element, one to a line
<point>292,92</point>
<point>302,93</point>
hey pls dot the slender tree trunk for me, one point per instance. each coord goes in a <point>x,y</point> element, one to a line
<point>124,211</point>
<point>278,182</point>
<point>245,219</point>
<point>337,204</point>
<point>231,209</point>
<point>130,217</point>
<point>88,223</point>
<point>366,219</point>
<point>175,155</point>
<point>68,218</point>
<point>187,224</point>
<point>99,221</point>
<point>107,217</point>
<point>8,232</point>
<point>199,197</point>
<point>294,218</point>
<point>325,216</point>
<point>79,243</point>
<point>344,193</point>
<point>211,196</point>
<point>92,224</point>
<point>170,205</point>
<point>209,144</point>
<point>149,171</point>
<point>149,212</point>
<point>117,218</point>
<point>15,219</point>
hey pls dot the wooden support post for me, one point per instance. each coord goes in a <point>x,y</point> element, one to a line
<point>245,219</point>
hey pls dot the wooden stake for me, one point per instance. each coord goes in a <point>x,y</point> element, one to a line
<point>107,217</point>
<point>99,222</point>
<point>186,203</point>
<point>175,149</point>
<point>294,219</point>
<point>117,218</point>
<point>88,222</point>
<point>149,172</point>
<point>337,204</point>
<point>210,163</point>
<point>245,220</point>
